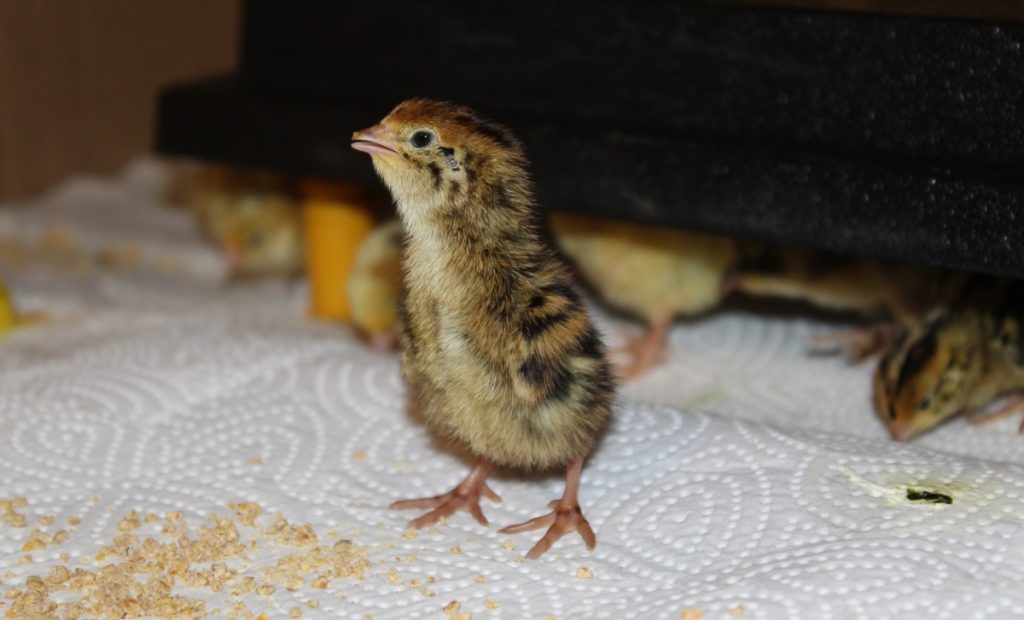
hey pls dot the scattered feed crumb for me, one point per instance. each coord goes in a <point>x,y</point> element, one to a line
<point>490,604</point>
<point>737,611</point>
<point>457,550</point>
<point>74,521</point>
<point>295,612</point>
<point>480,579</point>
<point>254,461</point>
<point>313,604</point>
<point>41,540</point>
<point>393,576</point>
<point>359,455</point>
<point>409,534</point>
<point>130,522</point>
<point>453,613</point>
<point>139,577</point>
<point>47,520</point>
<point>9,511</point>
<point>247,513</point>
<point>584,573</point>
<point>691,613</point>
<point>508,544</point>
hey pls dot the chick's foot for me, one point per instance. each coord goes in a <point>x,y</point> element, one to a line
<point>465,496</point>
<point>566,517</point>
<point>1014,405</point>
<point>861,344</point>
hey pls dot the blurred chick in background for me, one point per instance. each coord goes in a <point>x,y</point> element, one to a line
<point>875,289</point>
<point>253,217</point>
<point>959,358</point>
<point>656,274</point>
<point>375,285</point>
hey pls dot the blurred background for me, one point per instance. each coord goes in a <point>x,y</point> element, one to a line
<point>79,79</point>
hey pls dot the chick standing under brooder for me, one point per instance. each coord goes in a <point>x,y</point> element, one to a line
<point>654,273</point>
<point>960,357</point>
<point>375,285</point>
<point>252,217</point>
<point>497,347</point>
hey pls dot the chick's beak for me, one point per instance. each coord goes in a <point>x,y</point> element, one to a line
<point>374,141</point>
<point>902,432</point>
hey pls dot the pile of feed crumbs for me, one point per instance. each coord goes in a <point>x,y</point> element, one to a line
<point>137,575</point>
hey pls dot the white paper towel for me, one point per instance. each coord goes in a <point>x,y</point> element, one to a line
<point>768,490</point>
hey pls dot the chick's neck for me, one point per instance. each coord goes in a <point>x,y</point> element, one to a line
<point>475,253</point>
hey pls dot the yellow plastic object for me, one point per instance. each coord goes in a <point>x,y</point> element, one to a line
<point>8,313</point>
<point>337,218</point>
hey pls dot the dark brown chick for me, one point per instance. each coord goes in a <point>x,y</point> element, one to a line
<point>960,358</point>
<point>497,346</point>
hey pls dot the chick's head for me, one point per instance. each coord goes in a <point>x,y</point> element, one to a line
<point>928,377</point>
<point>258,234</point>
<point>431,153</point>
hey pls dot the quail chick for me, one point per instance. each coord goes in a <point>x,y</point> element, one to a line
<point>873,288</point>
<point>654,273</point>
<point>957,359</point>
<point>497,346</point>
<point>252,217</point>
<point>375,285</point>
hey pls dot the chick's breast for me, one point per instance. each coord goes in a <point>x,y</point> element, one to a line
<point>522,399</point>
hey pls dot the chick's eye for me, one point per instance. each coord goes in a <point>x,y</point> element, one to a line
<point>422,139</point>
<point>924,404</point>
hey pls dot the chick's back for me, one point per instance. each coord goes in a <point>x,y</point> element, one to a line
<point>655,273</point>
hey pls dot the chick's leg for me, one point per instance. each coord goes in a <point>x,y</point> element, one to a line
<point>1014,405</point>
<point>644,352</point>
<point>465,496</point>
<point>863,343</point>
<point>566,516</point>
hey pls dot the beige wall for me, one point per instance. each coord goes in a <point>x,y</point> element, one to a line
<point>79,78</point>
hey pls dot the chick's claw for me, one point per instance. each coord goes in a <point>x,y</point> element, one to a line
<point>466,496</point>
<point>566,516</point>
<point>561,521</point>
